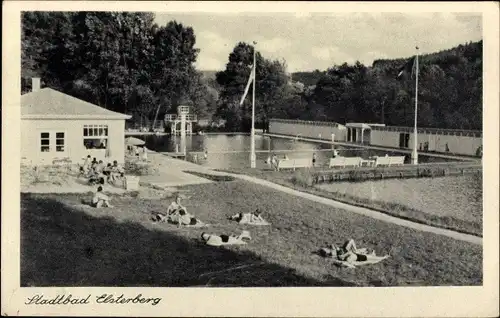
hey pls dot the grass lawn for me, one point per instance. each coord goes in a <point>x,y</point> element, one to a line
<point>64,243</point>
<point>300,180</point>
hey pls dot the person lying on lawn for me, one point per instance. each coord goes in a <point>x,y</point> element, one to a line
<point>350,253</point>
<point>181,217</point>
<point>254,217</point>
<point>100,199</point>
<point>223,239</point>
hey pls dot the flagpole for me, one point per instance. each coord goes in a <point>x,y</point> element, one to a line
<point>414,154</point>
<point>252,141</point>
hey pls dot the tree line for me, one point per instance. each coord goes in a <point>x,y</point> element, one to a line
<point>449,90</point>
<point>125,62</point>
<point>121,61</point>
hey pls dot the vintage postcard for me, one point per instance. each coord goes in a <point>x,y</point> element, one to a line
<point>250,159</point>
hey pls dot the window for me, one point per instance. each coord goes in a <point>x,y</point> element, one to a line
<point>95,136</point>
<point>60,142</point>
<point>45,142</point>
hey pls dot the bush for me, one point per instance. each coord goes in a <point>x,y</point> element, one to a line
<point>302,178</point>
<point>139,169</point>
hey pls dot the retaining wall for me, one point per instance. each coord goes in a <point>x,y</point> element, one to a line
<point>310,129</point>
<point>400,172</point>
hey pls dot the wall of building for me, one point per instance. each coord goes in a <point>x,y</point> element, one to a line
<point>459,142</point>
<point>309,129</point>
<point>74,148</point>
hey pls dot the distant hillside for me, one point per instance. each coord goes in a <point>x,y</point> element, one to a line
<point>471,51</point>
<point>449,90</point>
<point>208,74</point>
<point>308,78</point>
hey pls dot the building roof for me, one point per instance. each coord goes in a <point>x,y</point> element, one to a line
<point>357,125</point>
<point>48,103</point>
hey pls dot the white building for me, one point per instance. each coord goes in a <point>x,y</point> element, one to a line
<point>56,126</point>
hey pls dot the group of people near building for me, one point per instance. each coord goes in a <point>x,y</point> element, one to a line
<point>139,152</point>
<point>97,172</point>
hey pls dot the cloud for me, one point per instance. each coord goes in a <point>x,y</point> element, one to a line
<point>212,41</point>
<point>273,45</point>
<point>209,63</point>
<point>322,53</point>
<point>310,40</point>
<point>331,54</point>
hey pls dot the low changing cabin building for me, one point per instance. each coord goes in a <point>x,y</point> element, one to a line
<point>56,126</point>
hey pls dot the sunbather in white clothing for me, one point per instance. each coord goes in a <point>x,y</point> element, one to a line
<point>219,240</point>
<point>100,199</point>
<point>181,217</point>
<point>175,206</point>
<point>249,218</point>
<point>351,256</point>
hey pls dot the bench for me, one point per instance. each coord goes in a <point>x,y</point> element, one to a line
<point>294,163</point>
<point>389,161</point>
<point>343,162</point>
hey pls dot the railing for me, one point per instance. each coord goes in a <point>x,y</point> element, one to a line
<point>183,110</point>
<point>172,117</point>
<point>433,131</point>
<point>305,122</point>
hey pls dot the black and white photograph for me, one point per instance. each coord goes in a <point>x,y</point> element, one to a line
<point>242,149</point>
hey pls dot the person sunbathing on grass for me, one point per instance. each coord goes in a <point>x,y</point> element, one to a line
<point>159,217</point>
<point>175,206</point>
<point>254,217</point>
<point>100,199</point>
<point>223,239</point>
<point>181,217</point>
<point>349,255</point>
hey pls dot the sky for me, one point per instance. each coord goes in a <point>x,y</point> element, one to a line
<point>309,41</point>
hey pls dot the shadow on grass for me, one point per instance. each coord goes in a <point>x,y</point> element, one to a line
<point>62,246</point>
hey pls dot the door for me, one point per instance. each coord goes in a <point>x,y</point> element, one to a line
<point>407,140</point>
<point>401,140</point>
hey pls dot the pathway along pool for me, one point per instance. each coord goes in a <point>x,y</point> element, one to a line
<point>457,196</point>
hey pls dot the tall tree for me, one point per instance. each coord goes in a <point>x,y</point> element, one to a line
<point>271,77</point>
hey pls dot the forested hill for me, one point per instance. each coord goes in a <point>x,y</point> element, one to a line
<point>450,90</point>
<point>472,51</point>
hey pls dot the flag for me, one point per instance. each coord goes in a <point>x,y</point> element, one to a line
<point>408,67</point>
<point>250,80</point>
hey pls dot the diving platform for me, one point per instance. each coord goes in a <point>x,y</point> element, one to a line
<point>182,122</point>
